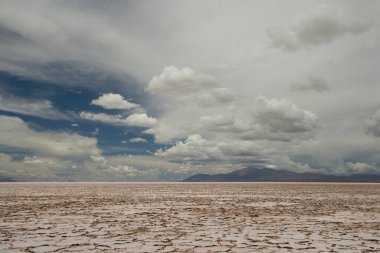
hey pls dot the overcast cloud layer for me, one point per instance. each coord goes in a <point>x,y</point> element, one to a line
<point>151,91</point>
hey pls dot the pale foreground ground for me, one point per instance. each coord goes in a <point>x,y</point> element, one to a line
<point>101,217</point>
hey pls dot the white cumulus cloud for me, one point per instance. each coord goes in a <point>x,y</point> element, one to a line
<point>138,140</point>
<point>283,116</point>
<point>216,111</point>
<point>135,119</point>
<point>174,80</point>
<point>141,120</point>
<point>197,149</point>
<point>102,117</point>
<point>113,101</point>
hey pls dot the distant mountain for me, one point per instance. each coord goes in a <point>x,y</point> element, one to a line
<point>6,179</point>
<point>251,174</point>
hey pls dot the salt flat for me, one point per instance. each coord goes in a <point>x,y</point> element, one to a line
<point>120,217</point>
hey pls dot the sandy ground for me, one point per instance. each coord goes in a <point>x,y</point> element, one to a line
<point>102,217</point>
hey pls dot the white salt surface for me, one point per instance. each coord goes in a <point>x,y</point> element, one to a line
<point>101,217</point>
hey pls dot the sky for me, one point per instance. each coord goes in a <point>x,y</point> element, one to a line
<point>161,90</point>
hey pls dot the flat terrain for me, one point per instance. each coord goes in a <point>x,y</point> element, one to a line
<point>103,217</point>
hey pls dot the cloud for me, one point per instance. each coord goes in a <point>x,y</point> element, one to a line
<point>5,157</point>
<point>217,128</point>
<point>215,122</point>
<point>102,117</point>
<point>188,86</point>
<point>174,80</point>
<point>135,119</point>
<point>155,168</point>
<point>197,149</point>
<point>312,84</point>
<point>70,43</point>
<point>37,108</point>
<point>323,25</point>
<point>183,96</point>
<point>95,132</point>
<point>268,119</point>
<point>33,53</point>
<point>48,168</point>
<point>97,168</point>
<point>138,140</point>
<point>150,131</point>
<point>194,148</point>
<point>362,168</point>
<point>214,97</point>
<point>333,147</point>
<point>128,170</point>
<point>113,101</point>
<point>372,124</point>
<point>215,111</point>
<point>141,120</point>
<point>283,116</point>
<point>15,133</point>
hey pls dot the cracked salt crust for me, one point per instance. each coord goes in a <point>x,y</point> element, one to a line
<point>101,217</point>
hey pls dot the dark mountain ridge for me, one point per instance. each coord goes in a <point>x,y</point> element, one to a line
<point>251,174</point>
<point>6,179</point>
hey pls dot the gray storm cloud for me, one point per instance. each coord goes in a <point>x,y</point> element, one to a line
<point>16,133</point>
<point>321,26</point>
<point>372,124</point>
<point>313,83</point>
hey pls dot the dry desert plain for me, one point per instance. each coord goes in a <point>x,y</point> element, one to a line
<point>189,217</point>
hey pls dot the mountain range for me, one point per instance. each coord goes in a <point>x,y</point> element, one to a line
<point>251,174</point>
